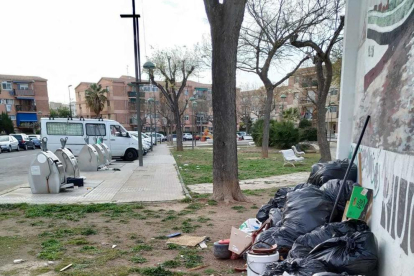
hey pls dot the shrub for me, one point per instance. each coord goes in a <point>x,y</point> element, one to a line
<point>284,134</point>
<point>308,134</point>
<point>304,123</point>
<point>257,132</point>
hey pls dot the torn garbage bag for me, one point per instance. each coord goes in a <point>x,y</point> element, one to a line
<point>304,244</point>
<point>355,254</point>
<point>278,201</point>
<point>298,267</point>
<point>305,210</point>
<point>333,170</point>
<point>331,189</point>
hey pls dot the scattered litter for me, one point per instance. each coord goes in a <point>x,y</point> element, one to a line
<point>187,240</point>
<point>179,155</point>
<point>113,246</point>
<point>66,267</point>
<point>180,168</point>
<point>116,169</point>
<point>173,235</point>
<point>202,244</point>
<point>51,262</point>
<point>18,261</point>
<point>185,165</point>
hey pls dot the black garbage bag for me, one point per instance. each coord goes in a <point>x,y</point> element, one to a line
<point>331,189</point>
<point>354,253</point>
<point>276,216</point>
<point>333,170</point>
<point>278,201</point>
<point>305,210</point>
<point>305,243</point>
<point>298,267</point>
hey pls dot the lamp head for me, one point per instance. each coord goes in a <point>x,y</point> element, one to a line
<point>149,65</point>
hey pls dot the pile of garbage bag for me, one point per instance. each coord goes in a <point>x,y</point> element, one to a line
<point>299,220</point>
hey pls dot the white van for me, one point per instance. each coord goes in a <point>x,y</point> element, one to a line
<point>114,135</point>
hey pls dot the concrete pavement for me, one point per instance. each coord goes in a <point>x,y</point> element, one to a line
<point>14,167</point>
<point>156,181</point>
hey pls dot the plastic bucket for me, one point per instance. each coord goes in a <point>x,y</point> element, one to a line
<point>256,264</point>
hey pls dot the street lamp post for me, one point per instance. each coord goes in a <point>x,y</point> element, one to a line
<point>193,105</point>
<point>150,100</point>
<point>70,106</point>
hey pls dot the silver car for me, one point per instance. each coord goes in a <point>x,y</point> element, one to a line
<point>8,143</point>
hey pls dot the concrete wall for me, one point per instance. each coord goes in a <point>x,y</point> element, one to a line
<point>378,80</point>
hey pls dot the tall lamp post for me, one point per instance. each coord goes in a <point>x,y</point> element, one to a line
<point>193,105</point>
<point>150,100</point>
<point>70,106</point>
<point>150,67</point>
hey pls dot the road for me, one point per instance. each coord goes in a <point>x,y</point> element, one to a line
<point>14,168</point>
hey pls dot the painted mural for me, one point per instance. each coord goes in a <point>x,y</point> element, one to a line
<point>387,93</point>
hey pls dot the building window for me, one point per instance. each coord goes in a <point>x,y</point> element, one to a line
<point>6,85</point>
<point>186,118</point>
<point>13,117</point>
<point>9,101</point>
<point>108,103</point>
<point>296,80</point>
<point>186,92</point>
<point>334,92</point>
<point>8,107</point>
<point>24,86</point>
<point>333,108</point>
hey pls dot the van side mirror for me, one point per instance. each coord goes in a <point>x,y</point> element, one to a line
<point>125,134</point>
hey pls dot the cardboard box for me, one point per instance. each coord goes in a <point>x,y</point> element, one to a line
<point>239,241</point>
<point>360,203</point>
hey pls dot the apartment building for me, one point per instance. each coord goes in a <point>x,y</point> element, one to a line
<point>121,104</point>
<point>25,99</point>
<point>300,93</point>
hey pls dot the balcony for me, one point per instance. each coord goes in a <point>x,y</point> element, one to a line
<point>26,108</point>
<point>28,92</point>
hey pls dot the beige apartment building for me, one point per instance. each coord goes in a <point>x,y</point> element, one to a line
<point>121,104</point>
<point>25,99</point>
<point>298,93</point>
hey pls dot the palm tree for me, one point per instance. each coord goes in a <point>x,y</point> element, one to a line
<point>95,98</point>
<point>291,114</point>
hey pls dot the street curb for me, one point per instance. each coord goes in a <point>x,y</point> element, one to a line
<point>185,190</point>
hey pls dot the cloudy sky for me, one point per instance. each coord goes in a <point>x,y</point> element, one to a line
<point>69,41</point>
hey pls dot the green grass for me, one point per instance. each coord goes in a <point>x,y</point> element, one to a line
<point>51,250</point>
<point>142,247</point>
<point>138,260</point>
<point>251,165</point>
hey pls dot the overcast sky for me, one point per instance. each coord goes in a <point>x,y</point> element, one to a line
<point>69,41</point>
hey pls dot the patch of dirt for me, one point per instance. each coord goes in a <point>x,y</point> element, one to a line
<point>135,234</point>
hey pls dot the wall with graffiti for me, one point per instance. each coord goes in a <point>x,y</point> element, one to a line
<point>385,90</point>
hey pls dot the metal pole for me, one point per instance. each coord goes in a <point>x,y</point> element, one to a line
<point>70,106</point>
<point>155,123</point>
<point>137,80</point>
<point>192,138</point>
<point>150,113</point>
<point>196,130</point>
<point>349,168</point>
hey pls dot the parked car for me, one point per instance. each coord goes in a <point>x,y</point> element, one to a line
<point>239,137</point>
<point>8,143</point>
<point>187,136</point>
<point>248,137</point>
<point>24,141</point>
<point>242,134</point>
<point>174,137</point>
<point>35,139</point>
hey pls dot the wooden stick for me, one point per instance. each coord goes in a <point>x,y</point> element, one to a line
<point>360,168</point>
<point>66,267</point>
<point>198,267</point>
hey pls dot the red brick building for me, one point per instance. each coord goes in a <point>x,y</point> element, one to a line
<point>25,99</point>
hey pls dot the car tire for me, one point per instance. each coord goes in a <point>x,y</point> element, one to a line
<point>33,147</point>
<point>17,148</point>
<point>25,147</point>
<point>10,148</point>
<point>130,155</point>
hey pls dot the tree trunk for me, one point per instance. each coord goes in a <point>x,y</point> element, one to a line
<point>323,143</point>
<point>178,127</point>
<point>225,22</point>
<point>266,122</point>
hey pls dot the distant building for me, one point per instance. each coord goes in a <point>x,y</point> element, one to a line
<point>300,93</point>
<point>121,104</point>
<point>25,99</point>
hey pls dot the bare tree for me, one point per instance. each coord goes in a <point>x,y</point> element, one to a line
<point>165,112</point>
<point>174,66</point>
<point>225,22</point>
<point>264,42</point>
<point>321,47</point>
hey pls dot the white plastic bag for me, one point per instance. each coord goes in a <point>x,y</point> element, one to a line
<point>250,225</point>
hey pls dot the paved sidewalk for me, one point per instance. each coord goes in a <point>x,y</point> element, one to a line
<point>156,181</point>
<point>258,183</point>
